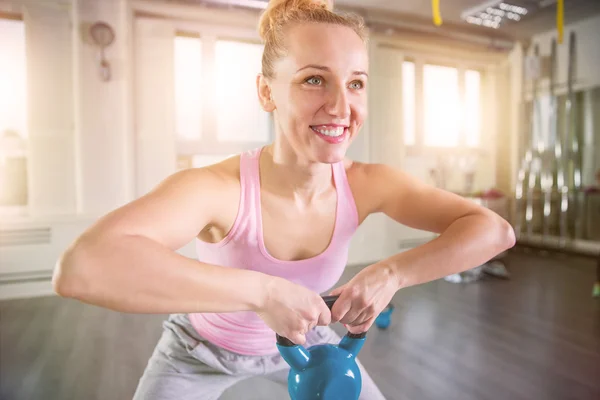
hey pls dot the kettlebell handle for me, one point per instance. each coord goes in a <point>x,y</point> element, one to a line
<point>330,301</point>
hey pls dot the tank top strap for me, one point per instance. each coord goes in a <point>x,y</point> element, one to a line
<point>347,215</point>
<point>346,212</point>
<point>249,177</point>
<point>249,191</point>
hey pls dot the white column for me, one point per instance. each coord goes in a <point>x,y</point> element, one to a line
<point>103,133</point>
<point>154,98</point>
<point>51,166</point>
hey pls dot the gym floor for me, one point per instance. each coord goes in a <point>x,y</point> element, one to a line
<point>536,336</point>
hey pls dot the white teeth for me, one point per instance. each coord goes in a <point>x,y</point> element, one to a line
<point>331,132</point>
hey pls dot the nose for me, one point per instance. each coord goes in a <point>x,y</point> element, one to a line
<point>338,104</point>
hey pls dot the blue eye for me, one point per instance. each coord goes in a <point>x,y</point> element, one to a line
<point>314,80</point>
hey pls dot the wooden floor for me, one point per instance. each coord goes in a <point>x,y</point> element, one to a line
<point>536,336</point>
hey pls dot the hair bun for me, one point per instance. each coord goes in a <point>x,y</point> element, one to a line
<point>278,11</point>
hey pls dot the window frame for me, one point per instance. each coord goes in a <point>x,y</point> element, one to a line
<point>20,210</point>
<point>209,34</point>
<point>420,60</point>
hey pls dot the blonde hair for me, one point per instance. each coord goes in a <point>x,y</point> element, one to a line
<point>280,14</point>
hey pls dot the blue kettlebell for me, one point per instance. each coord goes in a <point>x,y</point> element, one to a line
<point>384,318</point>
<point>324,371</point>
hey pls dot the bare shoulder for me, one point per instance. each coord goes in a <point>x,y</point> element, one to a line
<point>374,176</point>
<point>179,207</point>
<point>406,199</point>
<point>201,180</point>
<point>213,184</point>
<point>226,171</point>
<point>371,183</point>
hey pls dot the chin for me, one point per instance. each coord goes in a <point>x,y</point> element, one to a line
<point>331,155</point>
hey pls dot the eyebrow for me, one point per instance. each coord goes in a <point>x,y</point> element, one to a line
<point>323,68</point>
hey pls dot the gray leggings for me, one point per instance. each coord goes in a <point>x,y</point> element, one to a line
<point>185,366</point>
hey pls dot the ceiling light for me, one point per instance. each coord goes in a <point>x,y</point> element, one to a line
<point>495,13</point>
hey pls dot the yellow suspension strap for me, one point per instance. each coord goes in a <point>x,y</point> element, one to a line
<point>437,16</point>
<point>560,19</point>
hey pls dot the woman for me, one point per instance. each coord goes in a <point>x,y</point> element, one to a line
<point>273,226</point>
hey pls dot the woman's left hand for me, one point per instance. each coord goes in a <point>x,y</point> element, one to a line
<point>364,297</point>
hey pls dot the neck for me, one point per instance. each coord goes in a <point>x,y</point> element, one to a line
<point>284,173</point>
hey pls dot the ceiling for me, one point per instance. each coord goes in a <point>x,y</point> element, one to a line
<point>417,14</point>
<point>543,19</point>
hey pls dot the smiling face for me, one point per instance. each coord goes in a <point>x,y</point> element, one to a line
<point>319,91</point>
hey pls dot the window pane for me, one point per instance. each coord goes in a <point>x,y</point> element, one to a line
<point>188,87</point>
<point>472,107</point>
<point>408,102</point>
<point>239,116</point>
<point>13,115</point>
<point>13,72</point>
<point>442,106</point>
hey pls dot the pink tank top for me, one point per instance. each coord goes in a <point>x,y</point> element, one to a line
<point>243,247</point>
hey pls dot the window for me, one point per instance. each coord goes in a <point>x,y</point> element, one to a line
<point>442,109</point>
<point>217,109</point>
<point>239,116</point>
<point>472,108</point>
<point>447,99</point>
<point>188,87</point>
<point>13,115</point>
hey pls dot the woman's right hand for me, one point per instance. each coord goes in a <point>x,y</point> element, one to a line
<point>292,310</point>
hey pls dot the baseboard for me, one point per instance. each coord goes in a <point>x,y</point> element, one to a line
<point>577,247</point>
<point>26,289</point>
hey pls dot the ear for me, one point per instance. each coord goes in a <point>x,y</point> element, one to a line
<point>264,93</point>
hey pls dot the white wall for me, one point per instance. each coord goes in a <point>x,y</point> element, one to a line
<point>79,136</point>
<point>79,127</point>
<point>104,127</point>
<point>386,143</point>
<point>84,135</point>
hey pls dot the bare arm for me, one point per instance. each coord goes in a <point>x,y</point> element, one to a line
<point>127,260</point>
<point>470,234</point>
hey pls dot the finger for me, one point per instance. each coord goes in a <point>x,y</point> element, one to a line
<point>297,338</point>
<point>320,320</point>
<point>352,314</point>
<point>362,327</point>
<point>337,291</point>
<point>341,307</point>
<point>362,318</point>
<point>324,317</point>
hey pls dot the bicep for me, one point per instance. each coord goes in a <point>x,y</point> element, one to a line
<point>418,205</point>
<point>172,214</point>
